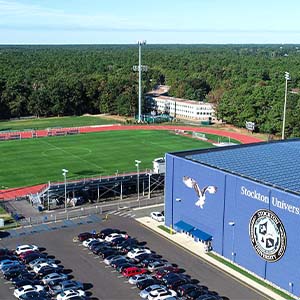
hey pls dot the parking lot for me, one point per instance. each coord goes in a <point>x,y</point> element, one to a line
<point>103,282</point>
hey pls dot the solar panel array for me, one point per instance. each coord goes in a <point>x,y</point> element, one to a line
<point>276,164</point>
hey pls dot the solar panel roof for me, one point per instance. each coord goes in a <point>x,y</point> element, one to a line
<point>276,163</point>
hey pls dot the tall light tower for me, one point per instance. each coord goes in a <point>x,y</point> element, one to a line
<point>64,173</point>
<point>140,43</point>
<point>287,78</point>
<point>137,164</point>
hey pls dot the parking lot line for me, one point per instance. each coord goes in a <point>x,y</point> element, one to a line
<point>120,276</point>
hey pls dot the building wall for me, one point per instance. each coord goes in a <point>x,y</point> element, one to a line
<point>236,200</point>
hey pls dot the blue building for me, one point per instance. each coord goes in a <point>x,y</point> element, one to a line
<point>244,201</point>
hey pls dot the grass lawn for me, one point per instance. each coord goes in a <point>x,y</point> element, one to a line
<point>33,161</point>
<point>54,122</point>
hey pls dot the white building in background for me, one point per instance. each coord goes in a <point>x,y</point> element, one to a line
<point>184,109</point>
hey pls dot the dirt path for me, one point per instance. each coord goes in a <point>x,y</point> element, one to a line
<point>23,191</point>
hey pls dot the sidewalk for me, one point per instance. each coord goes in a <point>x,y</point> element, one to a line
<point>198,249</point>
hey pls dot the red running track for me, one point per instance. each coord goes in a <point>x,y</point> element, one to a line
<point>23,191</point>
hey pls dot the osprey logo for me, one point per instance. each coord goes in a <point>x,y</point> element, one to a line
<point>191,183</point>
<point>267,235</point>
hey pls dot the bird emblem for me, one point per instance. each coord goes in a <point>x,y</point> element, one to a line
<point>201,193</point>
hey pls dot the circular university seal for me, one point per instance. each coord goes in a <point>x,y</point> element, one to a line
<point>267,235</point>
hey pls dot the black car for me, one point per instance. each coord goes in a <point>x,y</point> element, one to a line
<point>186,288</point>
<point>99,245</point>
<point>23,282</point>
<point>5,251</point>
<point>123,266</point>
<point>10,257</point>
<point>11,274</point>
<point>107,231</point>
<point>35,296</point>
<point>171,278</point>
<point>119,262</point>
<point>147,282</point>
<point>118,241</point>
<point>47,270</point>
<point>192,295</point>
<point>174,283</point>
<point>24,275</point>
<point>109,252</point>
<point>32,256</point>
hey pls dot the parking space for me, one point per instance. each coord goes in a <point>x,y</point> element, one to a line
<point>105,282</point>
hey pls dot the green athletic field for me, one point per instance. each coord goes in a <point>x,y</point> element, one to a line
<point>33,161</point>
<point>53,122</point>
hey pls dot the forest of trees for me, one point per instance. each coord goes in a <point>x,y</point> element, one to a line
<point>246,82</point>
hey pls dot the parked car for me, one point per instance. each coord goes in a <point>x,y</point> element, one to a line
<point>23,255</point>
<point>192,295</point>
<point>161,294</point>
<point>174,283</point>
<point>70,294</point>
<point>24,248</point>
<point>86,235</point>
<point>42,295</point>
<point>111,237</point>
<point>25,274</point>
<point>136,278</point>
<point>123,266</point>
<point>65,285</point>
<point>155,265</point>
<point>54,276</point>
<point>47,270</point>
<point>8,257</point>
<point>160,273</point>
<point>186,288</point>
<point>118,262</point>
<point>105,232</point>
<point>109,252</point>
<point>86,243</point>
<point>33,256</point>
<point>137,251</point>
<point>5,251</point>
<point>147,282</point>
<point>14,273</point>
<point>8,262</point>
<point>26,289</point>
<point>131,271</point>
<point>40,260</point>
<point>108,260</point>
<point>145,292</point>
<point>23,282</point>
<point>157,216</point>
<point>38,267</point>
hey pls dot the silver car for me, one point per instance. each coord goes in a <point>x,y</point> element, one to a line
<point>54,276</point>
<point>145,292</point>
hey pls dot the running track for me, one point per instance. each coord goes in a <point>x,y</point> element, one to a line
<point>23,191</point>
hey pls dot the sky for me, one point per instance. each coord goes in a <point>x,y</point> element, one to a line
<point>157,21</point>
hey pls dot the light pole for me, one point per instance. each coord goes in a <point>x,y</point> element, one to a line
<point>149,185</point>
<point>137,164</point>
<point>64,173</point>
<point>287,77</point>
<point>232,224</point>
<point>140,43</point>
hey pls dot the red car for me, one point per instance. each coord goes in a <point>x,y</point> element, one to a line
<point>131,271</point>
<point>160,273</point>
<point>23,255</point>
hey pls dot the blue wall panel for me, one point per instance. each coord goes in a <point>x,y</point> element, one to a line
<point>236,200</point>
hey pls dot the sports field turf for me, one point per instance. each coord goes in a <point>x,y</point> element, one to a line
<point>44,123</point>
<point>33,161</point>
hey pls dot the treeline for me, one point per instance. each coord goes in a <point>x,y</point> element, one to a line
<point>245,81</point>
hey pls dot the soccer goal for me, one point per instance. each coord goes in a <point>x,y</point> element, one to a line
<point>199,135</point>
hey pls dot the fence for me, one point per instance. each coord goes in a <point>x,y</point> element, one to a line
<point>107,208</point>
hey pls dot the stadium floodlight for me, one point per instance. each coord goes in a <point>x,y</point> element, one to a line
<point>232,224</point>
<point>137,164</point>
<point>287,78</point>
<point>140,43</point>
<point>65,171</point>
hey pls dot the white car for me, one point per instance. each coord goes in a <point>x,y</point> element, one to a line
<point>24,248</point>
<point>27,288</point>
<point>137,278</point>
<point>69,294</point>
<point>161,294</point>
<point>38,267</point>
<point>145,292</point>
<point>113,236</point>
<point>155,215</point>
<point>137,251</point>
<point>88,242</point>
